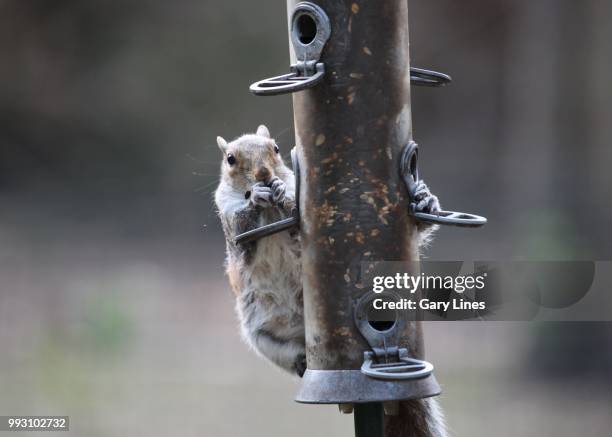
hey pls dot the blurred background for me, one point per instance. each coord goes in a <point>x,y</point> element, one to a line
<point>113,304</point>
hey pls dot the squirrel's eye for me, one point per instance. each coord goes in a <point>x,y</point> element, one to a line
<point>231,160</point>
<point>276,149</point>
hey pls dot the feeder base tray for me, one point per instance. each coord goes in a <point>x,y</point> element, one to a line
<point>352,386</point>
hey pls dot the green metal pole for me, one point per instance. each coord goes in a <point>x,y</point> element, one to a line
<point>369,420</point>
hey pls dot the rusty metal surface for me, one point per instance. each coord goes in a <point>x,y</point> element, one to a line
<point>350,130</point>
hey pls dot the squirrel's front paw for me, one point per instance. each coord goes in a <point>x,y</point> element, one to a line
<point>278,187</point>
<point>261,195</point>
<point>425,201</point>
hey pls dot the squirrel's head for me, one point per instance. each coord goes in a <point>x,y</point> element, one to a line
<point>251,158</point>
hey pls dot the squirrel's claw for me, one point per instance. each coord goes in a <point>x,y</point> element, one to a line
<point>261,195</point>
<point>278,187</point>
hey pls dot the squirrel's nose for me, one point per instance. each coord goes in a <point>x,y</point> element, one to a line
<point>262,174</point>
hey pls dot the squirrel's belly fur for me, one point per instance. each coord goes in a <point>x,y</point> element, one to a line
<point>269,300</point>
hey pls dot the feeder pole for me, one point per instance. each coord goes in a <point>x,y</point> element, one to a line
<point>350,131</point>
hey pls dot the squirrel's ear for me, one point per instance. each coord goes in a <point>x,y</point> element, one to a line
<point>222,144</point>
<point>263,131</point>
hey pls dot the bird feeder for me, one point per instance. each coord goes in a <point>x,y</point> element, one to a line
<point>350,77</point>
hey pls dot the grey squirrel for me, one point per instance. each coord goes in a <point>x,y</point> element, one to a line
<point>257,188</point>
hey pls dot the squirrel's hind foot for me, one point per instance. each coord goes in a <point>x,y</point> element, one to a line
<point>424,200</point>
<point>300,365</point>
